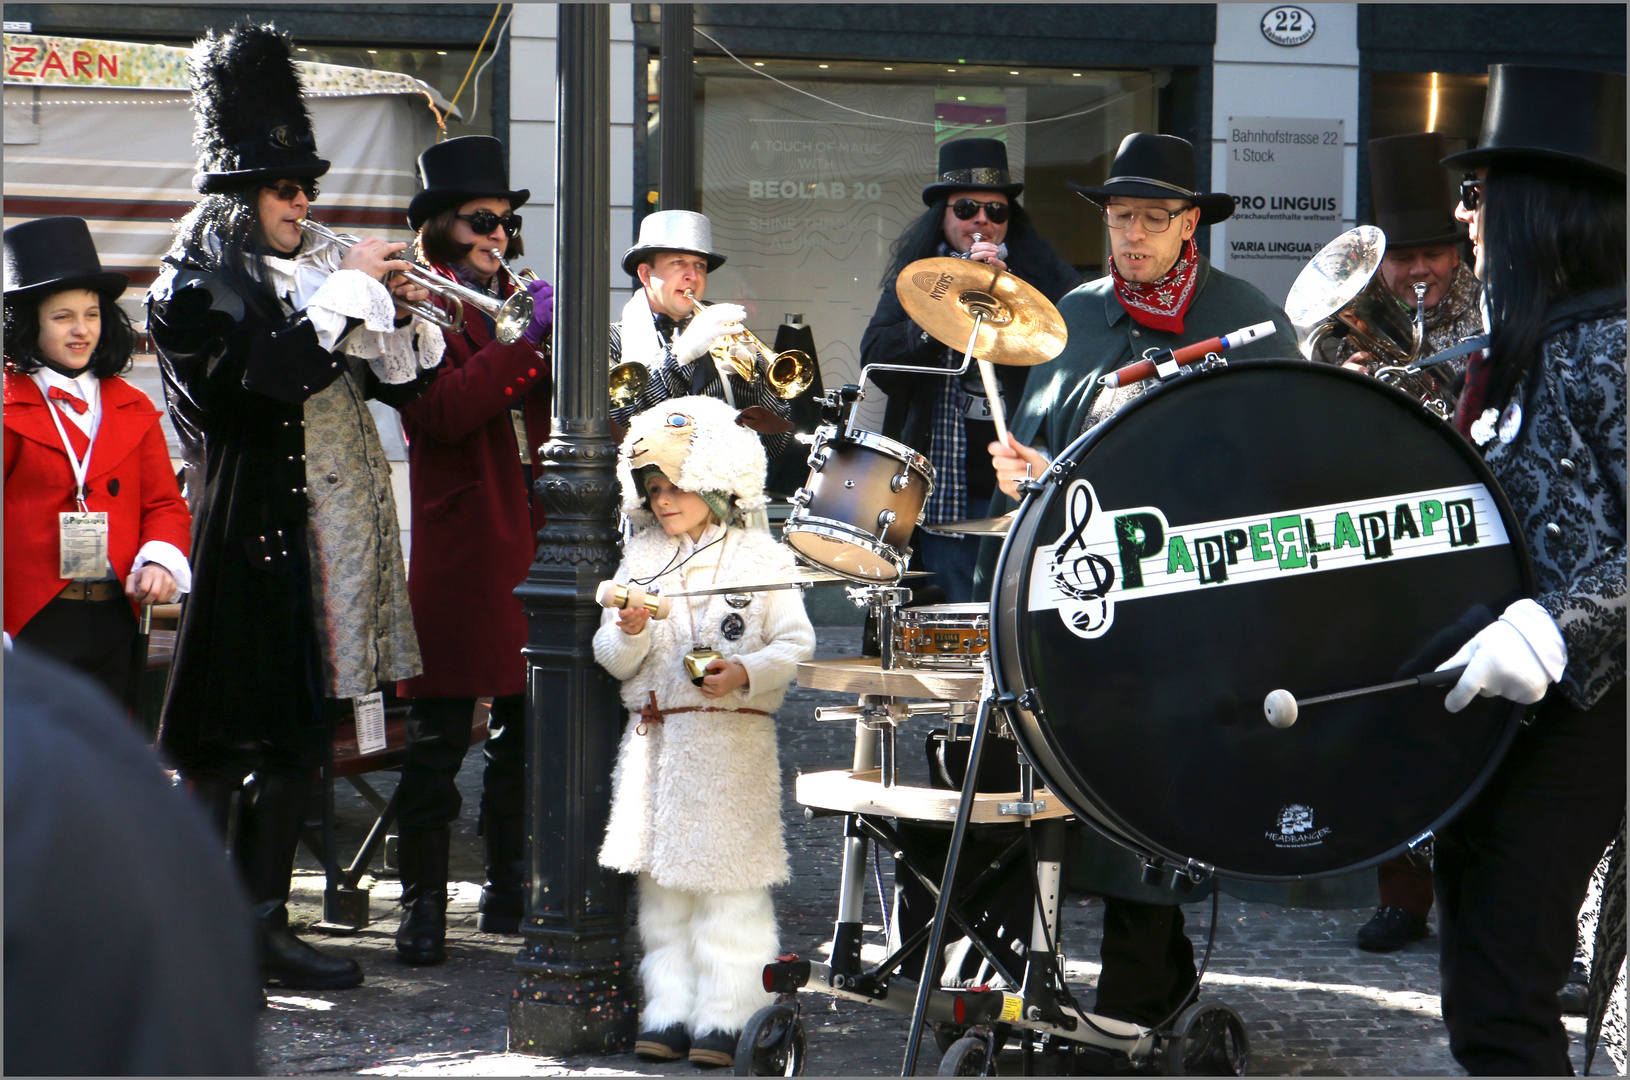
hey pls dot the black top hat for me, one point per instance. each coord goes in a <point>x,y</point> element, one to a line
<point>972,165</point>
<point>1551,114</point>
<point>458,170</point>
<point>1149,166</point>
<point>252,125</point>
<point>1410,188</point>
<point>51,254</point>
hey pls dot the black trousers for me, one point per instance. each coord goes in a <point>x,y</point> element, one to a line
<point>1148,962</point>
<point>438,735</point>
<point>96,637</point>
<point>1511,875</point>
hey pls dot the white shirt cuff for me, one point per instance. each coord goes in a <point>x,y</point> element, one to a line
<point>349,294</point>
<point>168,556</point>
<point>1541,632</point>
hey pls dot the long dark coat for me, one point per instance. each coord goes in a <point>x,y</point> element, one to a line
<point>474,522</point>
<point>247,668</point>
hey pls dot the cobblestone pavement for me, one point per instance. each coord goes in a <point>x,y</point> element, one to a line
<point>1313,1004</point>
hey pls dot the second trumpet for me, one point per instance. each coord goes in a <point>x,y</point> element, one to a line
<point>787,374</point>
<point>509,316</point>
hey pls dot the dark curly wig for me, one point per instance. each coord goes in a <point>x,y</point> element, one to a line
<point>222,234</point>
<point>22,326</point>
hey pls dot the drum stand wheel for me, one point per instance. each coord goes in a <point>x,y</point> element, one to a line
<point>772,1042</point>
<point>1208,1039</point>
<point>968,1056</point>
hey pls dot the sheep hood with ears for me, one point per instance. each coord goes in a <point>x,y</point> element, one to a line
<point>699,444</point>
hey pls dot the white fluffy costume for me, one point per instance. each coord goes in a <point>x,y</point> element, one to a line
<point>696,803</point>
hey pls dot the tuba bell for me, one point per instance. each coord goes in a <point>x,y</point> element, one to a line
<point>1340,294</point>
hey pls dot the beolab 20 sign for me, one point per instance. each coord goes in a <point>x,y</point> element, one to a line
<point>1288,25</point>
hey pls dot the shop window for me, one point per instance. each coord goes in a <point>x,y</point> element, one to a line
<point>808,179</point>
<point>1406,102</point>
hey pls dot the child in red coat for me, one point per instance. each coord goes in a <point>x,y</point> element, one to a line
<point>95,523</point>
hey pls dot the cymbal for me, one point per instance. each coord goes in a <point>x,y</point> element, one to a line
<point>1021,326</point>
<point>795,578</point>
<point>996,526</point>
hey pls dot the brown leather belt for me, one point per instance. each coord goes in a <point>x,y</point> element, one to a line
<point>91,590</point>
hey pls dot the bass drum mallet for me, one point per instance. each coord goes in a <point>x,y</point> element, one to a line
<point>1281,707</point>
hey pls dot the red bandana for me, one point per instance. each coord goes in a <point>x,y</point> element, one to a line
<point>1160,305</point>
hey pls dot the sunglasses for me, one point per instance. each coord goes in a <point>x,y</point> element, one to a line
<point>483,222</point>
<point>1471,193</point>
<point>967,209</point>
<point>1154,219</point>
<point>288,189</point>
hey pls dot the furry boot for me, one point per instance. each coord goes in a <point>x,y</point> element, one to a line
<point>733,935</point>
<point>668,971</point>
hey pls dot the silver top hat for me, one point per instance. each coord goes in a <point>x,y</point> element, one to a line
<point>674,230</point>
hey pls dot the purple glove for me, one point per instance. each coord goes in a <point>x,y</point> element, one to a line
<point>543,310</point>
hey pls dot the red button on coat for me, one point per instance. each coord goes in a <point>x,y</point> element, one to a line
<point>508,391</point>
<point>532,372</point>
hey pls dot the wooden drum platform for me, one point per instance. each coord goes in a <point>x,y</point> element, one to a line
<point>864,793</point>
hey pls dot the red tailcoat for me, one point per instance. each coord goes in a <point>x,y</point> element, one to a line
<point>474,520</point>
<point>130,478</point>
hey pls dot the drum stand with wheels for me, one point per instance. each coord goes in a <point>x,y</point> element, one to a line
<point>1206,1038</point>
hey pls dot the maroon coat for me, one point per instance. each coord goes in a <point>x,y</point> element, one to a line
<point>474,520</point>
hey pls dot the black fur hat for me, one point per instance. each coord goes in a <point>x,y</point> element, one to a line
<point>252,124</point>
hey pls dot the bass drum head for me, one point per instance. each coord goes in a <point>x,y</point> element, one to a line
<point>1272,525</point>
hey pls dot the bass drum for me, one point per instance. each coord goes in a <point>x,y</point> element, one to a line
<point>1273,524</point>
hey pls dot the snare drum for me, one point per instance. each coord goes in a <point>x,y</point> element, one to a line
<point>945,637</point>
<point>855,514</point>
<point>1272,525</point>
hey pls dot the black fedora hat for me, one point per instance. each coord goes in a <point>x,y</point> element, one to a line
<point>1410,190</point>
<point>252,123</point>
<point>51,254</point>
<point>458,170</point>
<point>1551,114</point>
<point>972,165</point>
<point>1149,166</point>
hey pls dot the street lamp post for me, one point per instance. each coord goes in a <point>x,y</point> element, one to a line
<point>576,991</point>
<point>677,87</point>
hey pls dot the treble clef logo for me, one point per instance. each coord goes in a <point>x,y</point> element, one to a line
<point>1082,576</point>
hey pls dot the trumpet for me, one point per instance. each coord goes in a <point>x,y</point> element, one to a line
<point>787,374</point>
<point>509,316</point>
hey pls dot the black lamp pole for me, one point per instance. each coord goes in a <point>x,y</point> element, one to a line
<point>677,87</point>
<point>576,992</point>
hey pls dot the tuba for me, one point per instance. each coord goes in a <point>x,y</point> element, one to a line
<point>787,374</point>
<point>1340,294</point>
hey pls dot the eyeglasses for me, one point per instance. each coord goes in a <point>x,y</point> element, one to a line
<point>483,222</point>
<point>967,209</point>
<point>1154,220</point>
<point>1471,193</point>
<point>288,189</point>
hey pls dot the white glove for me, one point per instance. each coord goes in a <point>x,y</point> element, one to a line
<point>705,328</point>
<point>1515,657</point>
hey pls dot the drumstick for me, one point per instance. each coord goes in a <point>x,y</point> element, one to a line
<point>1188,354</point>
<point>1281,707</point>
<point>987,375</point>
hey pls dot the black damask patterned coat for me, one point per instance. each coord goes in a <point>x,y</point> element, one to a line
<point>1565,476</point>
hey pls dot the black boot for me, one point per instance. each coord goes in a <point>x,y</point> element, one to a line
<point>503,898</point>
<point>422,937</point>
<point>272,811</point>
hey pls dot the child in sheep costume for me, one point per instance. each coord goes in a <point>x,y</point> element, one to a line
<point>696,794</point>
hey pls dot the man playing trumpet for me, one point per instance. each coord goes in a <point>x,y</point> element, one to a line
<point>665,330</point>
<point>270,341</point>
